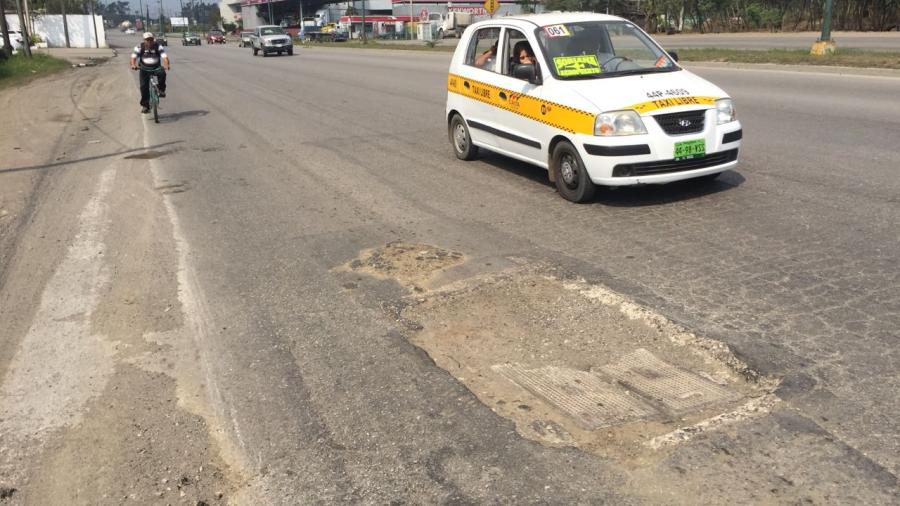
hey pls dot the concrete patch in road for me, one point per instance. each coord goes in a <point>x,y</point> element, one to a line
<point>574,364</point>
<point>673,389</point>
<point>591,402</point>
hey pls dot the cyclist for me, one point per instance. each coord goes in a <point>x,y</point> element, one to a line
<point>152,58</point>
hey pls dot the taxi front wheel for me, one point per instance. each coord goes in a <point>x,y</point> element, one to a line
<point>461,140</point>
<point>572,180</point>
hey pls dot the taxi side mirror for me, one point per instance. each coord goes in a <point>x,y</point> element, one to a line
<point>528,72</point>
<point>674,55</point>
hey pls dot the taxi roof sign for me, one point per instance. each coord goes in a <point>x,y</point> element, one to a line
<point>491,6</point>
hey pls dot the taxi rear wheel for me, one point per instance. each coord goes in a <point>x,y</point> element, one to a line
<point>572,180</point>
<point>461,140</point>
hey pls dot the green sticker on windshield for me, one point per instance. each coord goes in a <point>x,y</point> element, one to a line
<point>584,65</point>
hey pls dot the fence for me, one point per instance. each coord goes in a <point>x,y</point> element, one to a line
<point>49,27</point>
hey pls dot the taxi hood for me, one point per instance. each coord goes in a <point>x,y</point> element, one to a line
<point>664,90</point>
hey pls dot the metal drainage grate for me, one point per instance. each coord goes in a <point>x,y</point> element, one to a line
<point>590,401</point>
<point>675,389</point>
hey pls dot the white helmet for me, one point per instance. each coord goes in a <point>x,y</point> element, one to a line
<point>148,35</point>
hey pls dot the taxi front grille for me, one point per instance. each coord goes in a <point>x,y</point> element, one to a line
<point>681,123</point>
<point>667,166</point>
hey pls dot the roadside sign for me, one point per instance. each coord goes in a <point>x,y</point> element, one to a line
<point>179,21</point>
<point>491,6</point>
<point>423,15</point>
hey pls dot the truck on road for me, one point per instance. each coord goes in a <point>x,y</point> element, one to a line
<point>451,24</point>
<point>271,39</point>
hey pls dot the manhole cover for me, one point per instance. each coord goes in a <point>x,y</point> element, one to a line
<point>677,390</point>
<point>590,401</point>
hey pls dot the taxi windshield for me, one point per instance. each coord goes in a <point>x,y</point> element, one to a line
<point>598,49</point>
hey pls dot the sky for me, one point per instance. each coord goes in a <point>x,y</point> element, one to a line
<point>170,7</point>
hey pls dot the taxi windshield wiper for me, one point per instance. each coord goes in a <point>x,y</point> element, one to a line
<point>649,70</point>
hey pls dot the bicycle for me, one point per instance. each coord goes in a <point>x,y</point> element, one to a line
<point>153,101</point>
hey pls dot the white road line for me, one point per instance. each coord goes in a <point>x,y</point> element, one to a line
<point>223,426</point>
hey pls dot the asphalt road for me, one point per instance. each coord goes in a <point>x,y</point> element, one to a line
<point>266,175</point>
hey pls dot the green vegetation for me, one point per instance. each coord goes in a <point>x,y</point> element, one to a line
<point>18,69</point>
<point>741,15</point>
<point>842,58</point>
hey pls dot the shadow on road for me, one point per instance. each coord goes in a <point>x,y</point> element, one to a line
<point>62,163</point>
<point>654,195</point>
<point>626,196</point>
<point>175,116</point>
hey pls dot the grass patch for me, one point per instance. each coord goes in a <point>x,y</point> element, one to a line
<point>19,70</point>
<point>842,58</point>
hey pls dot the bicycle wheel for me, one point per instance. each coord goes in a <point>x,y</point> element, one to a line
<point>154,98</point>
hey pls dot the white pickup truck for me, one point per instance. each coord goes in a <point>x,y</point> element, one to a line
<point>271,39</point>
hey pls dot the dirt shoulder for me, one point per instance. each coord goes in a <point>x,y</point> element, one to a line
<point>93,355</point>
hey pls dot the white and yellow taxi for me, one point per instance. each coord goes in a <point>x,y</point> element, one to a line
<point>589,97</point>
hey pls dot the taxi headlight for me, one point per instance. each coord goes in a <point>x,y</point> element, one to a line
<point>619,123</point>
<point>725,112</point>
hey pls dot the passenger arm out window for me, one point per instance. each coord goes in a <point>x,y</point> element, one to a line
<point>482,51</point>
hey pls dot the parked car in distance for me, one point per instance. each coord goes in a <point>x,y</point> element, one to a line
<point>340,36</point>
<point>271,39</point>
<point>190,39</point>
<point>215,37</point>
<point>245,39</point>
<point>161,38</point>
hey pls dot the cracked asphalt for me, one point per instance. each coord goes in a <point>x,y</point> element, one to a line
<point>220,288</point>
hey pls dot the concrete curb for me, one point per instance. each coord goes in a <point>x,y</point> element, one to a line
<point>815,69</point>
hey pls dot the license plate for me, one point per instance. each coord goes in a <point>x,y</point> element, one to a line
<point>690,149</point>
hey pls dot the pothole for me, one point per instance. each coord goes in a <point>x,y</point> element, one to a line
<point>147,155</point>
<point>171,188</point>
<point>412,265</point>
<point>574,364</point>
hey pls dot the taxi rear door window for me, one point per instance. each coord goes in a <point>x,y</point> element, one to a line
<point>482,51</point>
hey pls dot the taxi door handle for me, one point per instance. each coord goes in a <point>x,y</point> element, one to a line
<point>502,96</point>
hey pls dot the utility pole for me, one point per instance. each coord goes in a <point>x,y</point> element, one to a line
<point>7,46</point>
<point>271,21</point>
<point>364,22</point>
<point>826,22</point>
<point>65,22</point>
<point>825,45</point>
<point>302,28</point>
<point>28,16</point>
<point>161,29</point>
<point>94,19</point>
<point>183,29</point>
<point>140,14</point>
<point>26,37</point>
